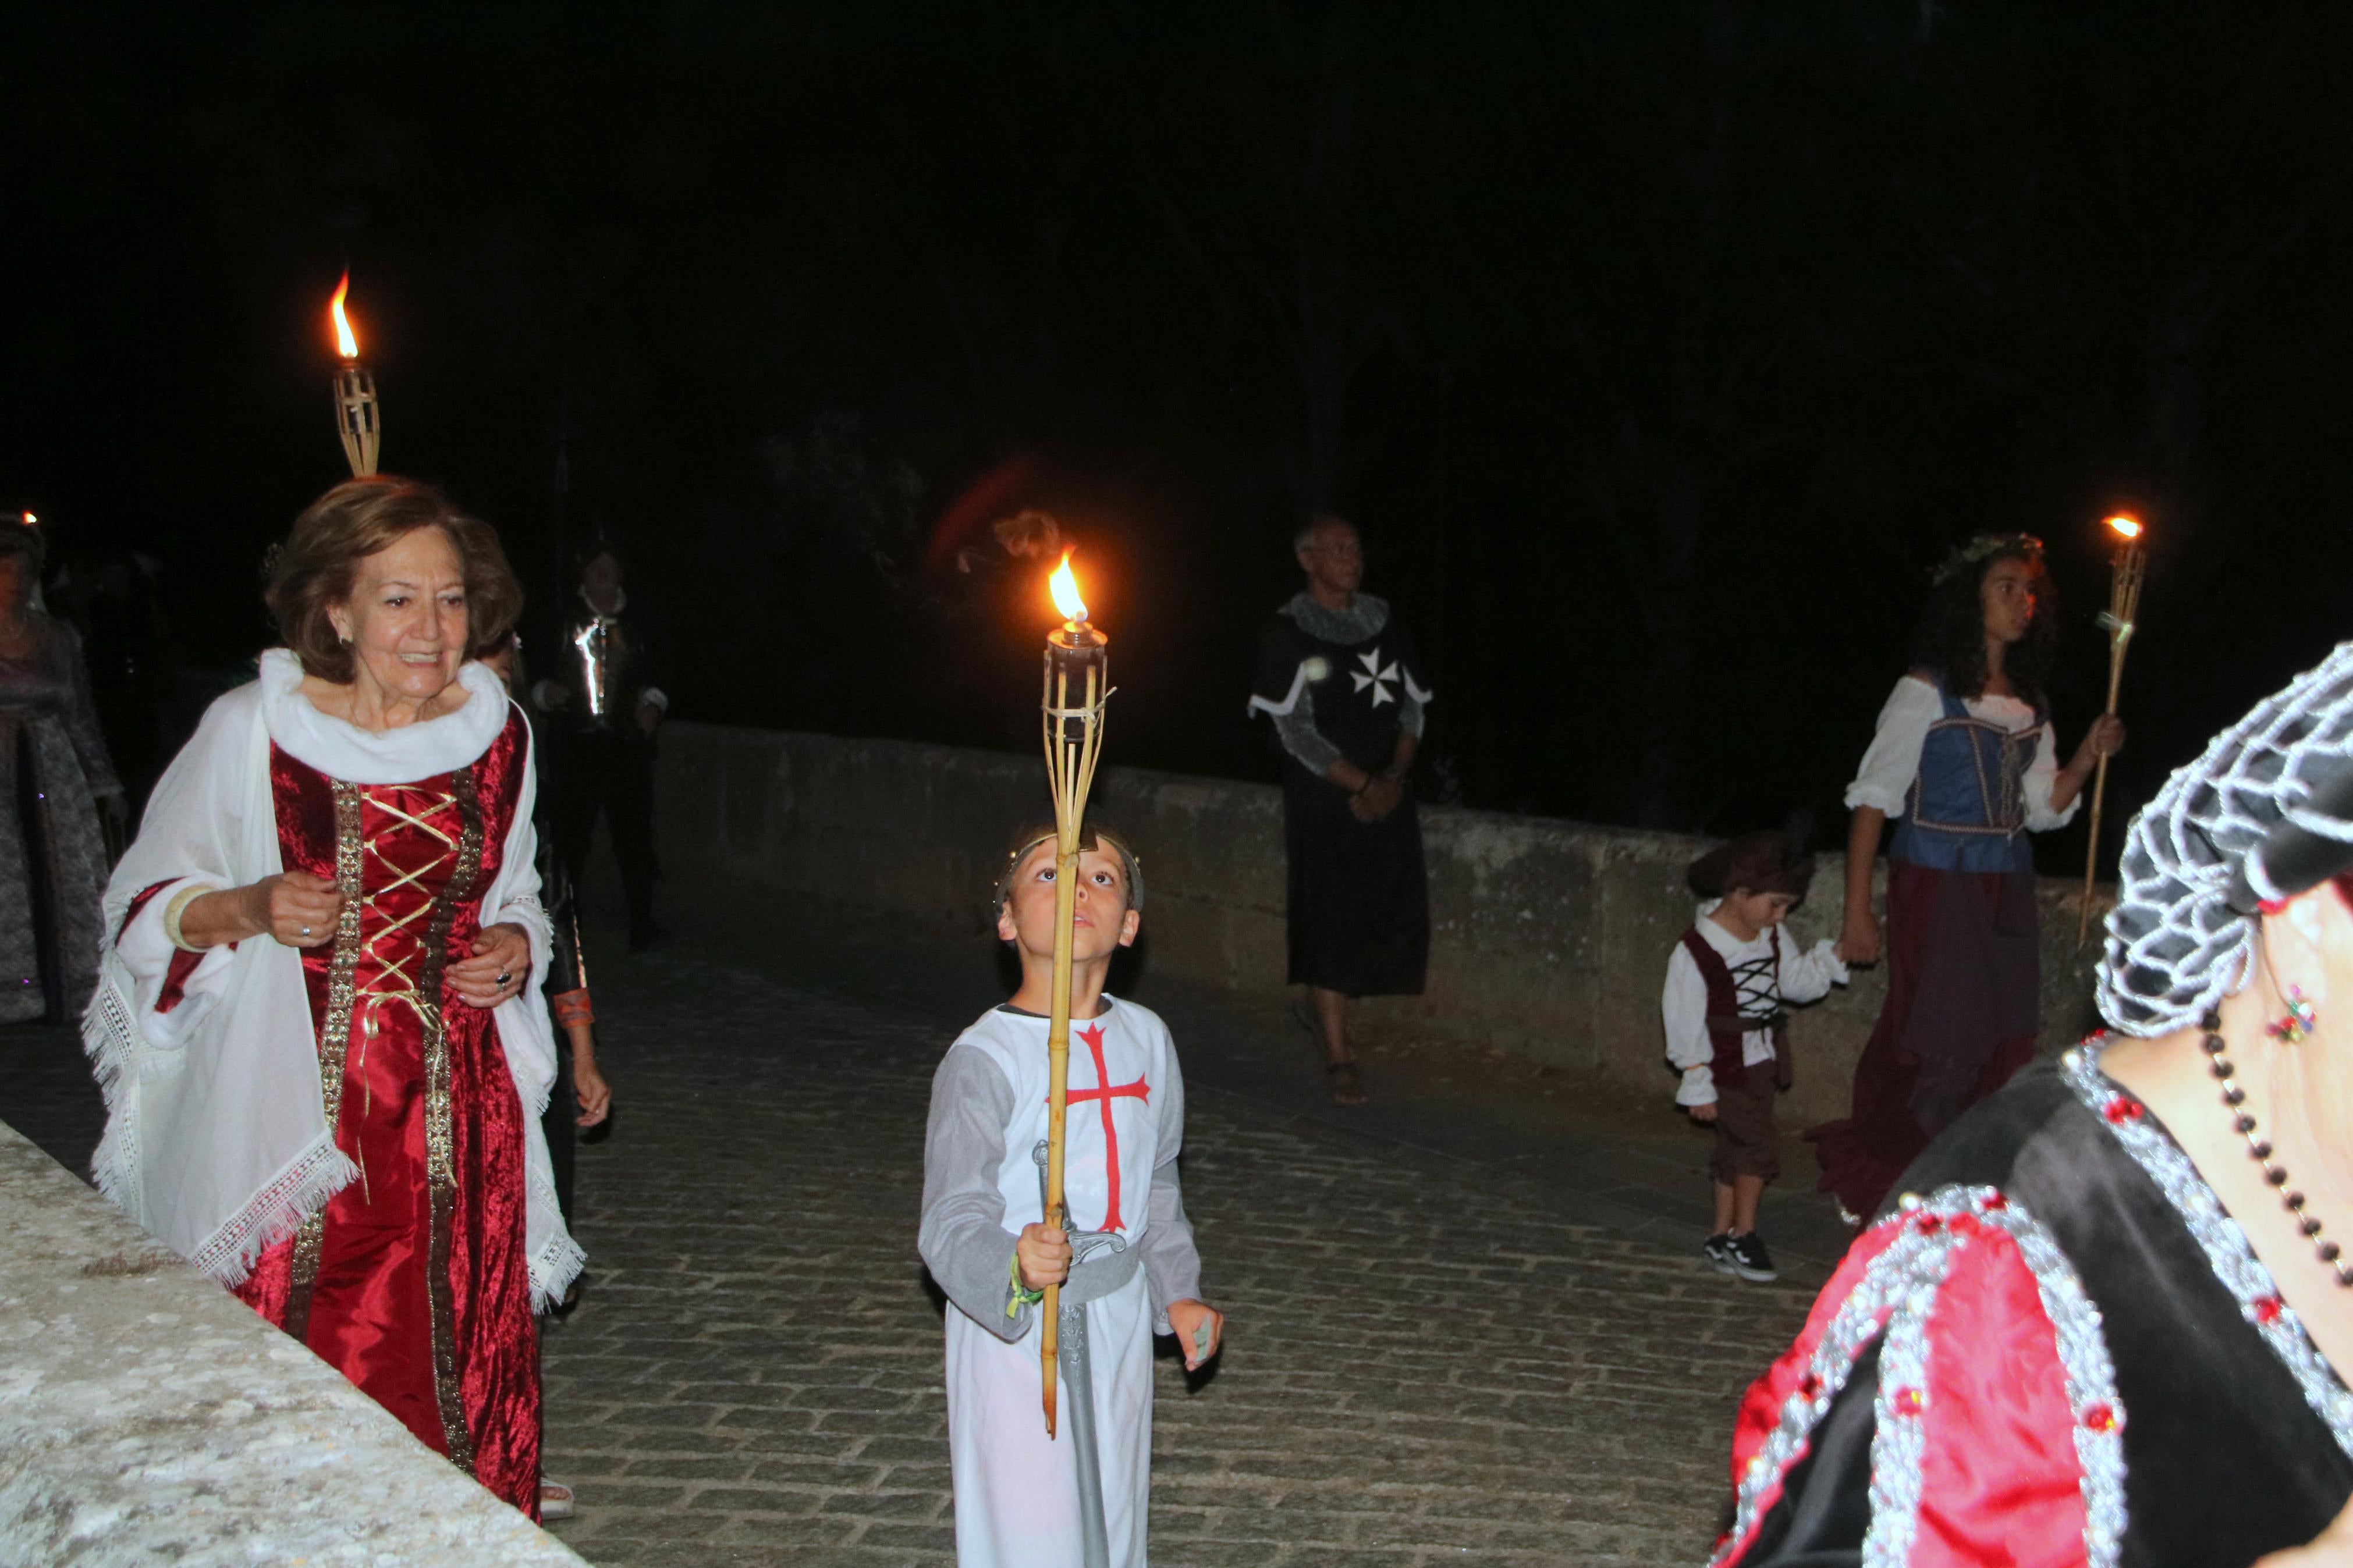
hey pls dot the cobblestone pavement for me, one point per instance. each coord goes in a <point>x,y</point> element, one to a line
<point>1422,1368</point>
<point>1512,1358</point>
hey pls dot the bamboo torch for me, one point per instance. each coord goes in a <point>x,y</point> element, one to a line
<point>1077,667</point>
<point>2123,605</point>
<point>358,419</point>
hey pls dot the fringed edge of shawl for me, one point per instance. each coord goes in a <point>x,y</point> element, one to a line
<point>120,1058</point>
<point>111,1042</point>
<point>554,1269</point>
<point>275,1213</point>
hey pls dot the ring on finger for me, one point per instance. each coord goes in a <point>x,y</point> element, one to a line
<point>504,976</point>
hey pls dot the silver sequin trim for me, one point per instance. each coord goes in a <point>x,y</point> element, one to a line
<point>1850,1332</point>
<point>1898,1438</point>
<point>1898,1291</point>
<point>2235,1262</point>
<point>2090,1381</point>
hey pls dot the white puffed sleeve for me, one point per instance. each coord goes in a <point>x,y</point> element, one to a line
<point>1893,761</point>
<point>1807,976</point>
<point>1682,1005</point>
<point>2040,774</point>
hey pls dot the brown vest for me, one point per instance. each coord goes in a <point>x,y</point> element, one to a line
<point>1725,1023</point>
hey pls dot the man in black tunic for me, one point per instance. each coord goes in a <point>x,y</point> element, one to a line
<point>1345,691</point>
<point>608,704</point>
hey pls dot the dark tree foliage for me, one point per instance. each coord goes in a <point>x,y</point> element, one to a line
<point>1659,349</point>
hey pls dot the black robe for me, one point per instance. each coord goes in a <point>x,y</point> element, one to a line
<point>2236,1436</point>
<point>1358,896</point>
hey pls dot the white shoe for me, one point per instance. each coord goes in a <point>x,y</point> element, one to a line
<point>554,1500</point>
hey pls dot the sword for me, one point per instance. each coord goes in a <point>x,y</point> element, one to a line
<point>1078,1374</point>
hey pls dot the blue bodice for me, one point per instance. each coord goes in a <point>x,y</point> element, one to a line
<point>1967,808</point>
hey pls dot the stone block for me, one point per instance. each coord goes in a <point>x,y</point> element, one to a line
<point>147,1415</point>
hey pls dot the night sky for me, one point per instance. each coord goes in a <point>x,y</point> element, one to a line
<point>1659,349</point>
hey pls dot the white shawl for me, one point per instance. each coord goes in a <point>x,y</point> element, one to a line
<point>217,1137</point>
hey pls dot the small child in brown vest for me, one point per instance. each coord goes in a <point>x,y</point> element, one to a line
<point>1728,981</point>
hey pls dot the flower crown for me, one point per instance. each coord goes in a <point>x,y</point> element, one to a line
<point>1983,545</point>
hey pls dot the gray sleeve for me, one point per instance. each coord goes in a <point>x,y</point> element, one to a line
<point>1296,729</point>
<point>962,1239</point>
<point>1410,715</point>
<point>80,716</point>
<point>1172,1265</point>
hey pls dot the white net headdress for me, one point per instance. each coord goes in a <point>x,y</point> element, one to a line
<point>2264,814</point>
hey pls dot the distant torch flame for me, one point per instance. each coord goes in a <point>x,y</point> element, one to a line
<point>1065,589</point>
<point>345,344</point>
<point>2125,525</point>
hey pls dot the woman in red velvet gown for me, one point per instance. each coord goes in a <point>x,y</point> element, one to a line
<point>322,1085</point>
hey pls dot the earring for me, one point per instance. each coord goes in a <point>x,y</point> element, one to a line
<point>2301,1020</point>
<point>344,638</point>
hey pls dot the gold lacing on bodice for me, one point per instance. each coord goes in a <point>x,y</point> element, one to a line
<point>392,942</point>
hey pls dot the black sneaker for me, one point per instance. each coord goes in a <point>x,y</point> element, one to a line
<point>1718,1251</point>
<point>1749,1257</point>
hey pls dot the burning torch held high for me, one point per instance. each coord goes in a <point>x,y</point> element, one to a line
<point>358,419</point>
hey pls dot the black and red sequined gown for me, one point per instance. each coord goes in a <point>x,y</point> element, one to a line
<point>2059,1349</point>
<point>412,1283</point>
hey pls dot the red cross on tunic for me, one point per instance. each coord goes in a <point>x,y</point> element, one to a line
<point>1105,1094</point>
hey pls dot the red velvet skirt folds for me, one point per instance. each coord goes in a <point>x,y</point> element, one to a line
<point>371,1311</point>
<point>1963,988</point>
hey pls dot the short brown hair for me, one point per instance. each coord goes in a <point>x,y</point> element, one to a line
<point>316,566</point>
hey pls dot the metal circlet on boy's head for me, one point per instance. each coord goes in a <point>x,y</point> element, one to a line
<point>1089,839</point>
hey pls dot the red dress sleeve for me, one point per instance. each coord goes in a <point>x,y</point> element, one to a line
<point>1993,1421</point>
<point>182,965</point>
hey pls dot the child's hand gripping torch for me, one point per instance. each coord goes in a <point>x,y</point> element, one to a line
<point>1077,666</point>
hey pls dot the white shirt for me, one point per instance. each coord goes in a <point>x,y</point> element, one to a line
<point>1893,760</point>
<point>1804,977</point>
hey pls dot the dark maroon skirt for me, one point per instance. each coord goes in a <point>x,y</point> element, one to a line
<point>1964,984</point>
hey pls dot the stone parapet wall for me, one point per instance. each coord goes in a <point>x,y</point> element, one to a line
<point>147,1415</point>
<point>1549,938</point>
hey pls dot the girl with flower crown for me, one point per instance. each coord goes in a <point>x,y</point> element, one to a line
<point>1966,762</point>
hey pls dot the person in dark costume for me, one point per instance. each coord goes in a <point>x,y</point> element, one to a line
<point>2107,1320</point>
<point>581,1100</point>
<point>606,704</point>
<point>62,795</point>
<point>1345,690</point>
<point>1966,762</point>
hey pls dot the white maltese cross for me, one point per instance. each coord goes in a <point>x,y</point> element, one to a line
<point>1374,675</point>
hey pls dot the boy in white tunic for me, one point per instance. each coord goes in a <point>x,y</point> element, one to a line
<point>1127,1264</point>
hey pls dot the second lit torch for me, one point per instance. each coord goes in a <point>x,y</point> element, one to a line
<point>2123,606</point>
<point>357,418</point>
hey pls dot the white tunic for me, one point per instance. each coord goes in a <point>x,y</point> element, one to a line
<point>1017,1497</point>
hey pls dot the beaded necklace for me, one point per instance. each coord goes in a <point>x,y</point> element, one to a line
<point>2218,1062</point>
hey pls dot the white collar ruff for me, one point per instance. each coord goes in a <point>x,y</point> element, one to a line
<point>341,750</point>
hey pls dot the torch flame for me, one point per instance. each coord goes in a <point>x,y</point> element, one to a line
<point>1065,589</point>
<point>345,344</point>
<point>2125,525</point>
